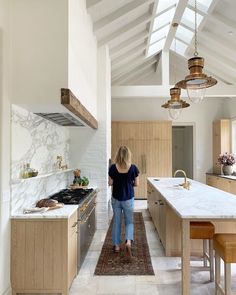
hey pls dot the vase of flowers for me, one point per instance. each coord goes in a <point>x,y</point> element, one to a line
<point>227,161</point>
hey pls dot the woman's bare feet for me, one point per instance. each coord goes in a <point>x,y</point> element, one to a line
<point>128,251</point>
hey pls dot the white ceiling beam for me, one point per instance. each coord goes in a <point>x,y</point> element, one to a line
<point>120,13</point>
<point>128,44</point>
<point>132,65</point>
<point>165,66</point>
<point>140,21</point>
<point>128,55</point>
<point>163,91</point>
<point>176,19</point>
<point>139,65</point>
<point>135,71</point>
<point>91,3</point>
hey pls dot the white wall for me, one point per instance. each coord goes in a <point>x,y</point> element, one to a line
<point>91,149</point>
<point>5,149</point>
<point>230,108</point>
<point>200,116</point>
<point>82,56</point>
<point>39,35</point>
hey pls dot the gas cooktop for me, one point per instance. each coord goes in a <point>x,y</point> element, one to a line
<point>72,196</point>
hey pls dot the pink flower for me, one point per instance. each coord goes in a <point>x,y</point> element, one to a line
<point>227,159</point>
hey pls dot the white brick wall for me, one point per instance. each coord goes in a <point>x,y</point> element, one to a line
<point>91,149</point>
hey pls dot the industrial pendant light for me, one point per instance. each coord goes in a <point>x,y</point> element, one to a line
<point>196,82</point>
<point>175,104</point>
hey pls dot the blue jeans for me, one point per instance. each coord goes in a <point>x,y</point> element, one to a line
<point>128,208</point>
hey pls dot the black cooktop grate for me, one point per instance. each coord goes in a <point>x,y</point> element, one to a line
<point>71,196</point>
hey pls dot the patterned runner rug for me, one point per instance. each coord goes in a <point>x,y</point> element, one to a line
<point>117,264</point>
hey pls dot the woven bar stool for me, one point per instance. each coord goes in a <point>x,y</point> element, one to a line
<point>225,248</point>
<point>204,231</point>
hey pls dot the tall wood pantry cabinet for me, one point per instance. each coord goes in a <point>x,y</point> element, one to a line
<point>151,145</point>
<point>221,141</point>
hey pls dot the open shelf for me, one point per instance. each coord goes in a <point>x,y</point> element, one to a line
<point>21,180</point>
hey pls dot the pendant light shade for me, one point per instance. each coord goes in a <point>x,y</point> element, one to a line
<point>196,82</point>
<point>175,104</point>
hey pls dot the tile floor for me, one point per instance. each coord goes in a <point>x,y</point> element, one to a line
<point>167,279</point>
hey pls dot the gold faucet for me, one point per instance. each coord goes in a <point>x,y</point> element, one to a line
<point>186,183</point>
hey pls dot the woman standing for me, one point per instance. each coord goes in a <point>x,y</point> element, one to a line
<point>123,176</point>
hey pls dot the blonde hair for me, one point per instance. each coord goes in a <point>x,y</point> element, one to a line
<point>123,157</point>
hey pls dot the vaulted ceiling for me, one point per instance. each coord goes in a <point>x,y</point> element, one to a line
<point>139,31</point>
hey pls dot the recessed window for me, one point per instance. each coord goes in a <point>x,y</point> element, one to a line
<point>205,3</point>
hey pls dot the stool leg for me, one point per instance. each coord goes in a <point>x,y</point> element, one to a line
<point>204,252</point>
<point>217,272</point>
<point>211,256</point>
<point>227,278</point>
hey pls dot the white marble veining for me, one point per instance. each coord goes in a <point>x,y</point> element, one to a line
<point>65,212</point>
<point>201,201</point>
<point>37,141</point>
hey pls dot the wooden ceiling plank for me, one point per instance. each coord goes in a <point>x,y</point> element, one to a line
<point>132,73</point>
<point>127,55</point>
<point>140,21</point>
<point>134,68</point>
<point>128,44</point>
<point>119,13</point>
<point>131,65</point>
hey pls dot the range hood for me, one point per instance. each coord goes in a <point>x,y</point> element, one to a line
<point>78,115</point>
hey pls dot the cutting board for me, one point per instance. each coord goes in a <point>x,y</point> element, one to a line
<point>59,205</point>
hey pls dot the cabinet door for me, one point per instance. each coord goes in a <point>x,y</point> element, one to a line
<point>232,186</point>
<point>72,248</point>
<point>151,147</point>
<point>221,141</point>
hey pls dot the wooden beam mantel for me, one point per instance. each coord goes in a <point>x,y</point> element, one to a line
<point>72,103</point>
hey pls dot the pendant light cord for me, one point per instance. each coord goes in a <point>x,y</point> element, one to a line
<point>175,62</point>
<point>195,33</point>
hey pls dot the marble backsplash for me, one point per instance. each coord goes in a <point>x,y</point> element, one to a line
<point>37,141</point>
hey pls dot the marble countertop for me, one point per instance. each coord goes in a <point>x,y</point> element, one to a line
<point>200,202</point>
<point>233,177</point>
<point>65,212</point>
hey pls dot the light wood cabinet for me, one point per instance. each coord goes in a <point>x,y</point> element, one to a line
<point>222,183</point>
<point>151,146</point>
<point>43,255</point>
<point>221,141</point>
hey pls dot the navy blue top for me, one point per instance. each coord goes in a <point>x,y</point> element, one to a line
<point>123,183</point>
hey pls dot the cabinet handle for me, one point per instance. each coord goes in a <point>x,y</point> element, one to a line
<point>156,203</point>
<point>75,223</point>
<point>143,164</point>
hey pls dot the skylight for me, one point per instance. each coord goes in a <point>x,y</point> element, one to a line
<point>159,34</point>
<point>189,17</point>
<point>165,15</point>
<point>156,47</point>
<point>180,47</point>
<point>163,19</point>
<point>165,4</point>
<point>184,34</point>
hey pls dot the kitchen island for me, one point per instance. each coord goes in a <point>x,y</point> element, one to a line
<point>200,203</point>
